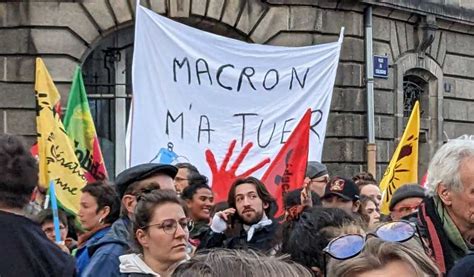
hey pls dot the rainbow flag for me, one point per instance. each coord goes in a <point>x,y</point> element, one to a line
<point>81,130</point>
<point>56,159</point>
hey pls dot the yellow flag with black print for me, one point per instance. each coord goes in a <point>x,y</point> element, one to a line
<point>403,167</point>
<point>56,157</point>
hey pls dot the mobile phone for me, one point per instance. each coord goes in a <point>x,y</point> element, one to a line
<point>307,190</point>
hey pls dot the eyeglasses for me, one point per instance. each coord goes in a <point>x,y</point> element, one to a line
<point>348,246</point>
<point>321,180</point>
<point>406,209</point>
<point>170,226</point>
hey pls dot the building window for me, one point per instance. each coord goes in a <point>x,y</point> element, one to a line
<point>107,77</point>
<point>413,90</point>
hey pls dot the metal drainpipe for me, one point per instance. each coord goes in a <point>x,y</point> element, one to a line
<point>369,75</point>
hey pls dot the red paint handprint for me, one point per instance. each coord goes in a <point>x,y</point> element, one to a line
<point>222,178</point>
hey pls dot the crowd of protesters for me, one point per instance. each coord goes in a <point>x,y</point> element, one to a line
<point>161,220</point>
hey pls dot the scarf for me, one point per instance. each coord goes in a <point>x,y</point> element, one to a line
<point>257,226</point>
<point>449,227</point>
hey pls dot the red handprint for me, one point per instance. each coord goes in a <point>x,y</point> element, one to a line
<point>222,178</point>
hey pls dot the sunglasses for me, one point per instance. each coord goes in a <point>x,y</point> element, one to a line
<point>348,246</point>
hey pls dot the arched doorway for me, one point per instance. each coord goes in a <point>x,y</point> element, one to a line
<point>420,79</point>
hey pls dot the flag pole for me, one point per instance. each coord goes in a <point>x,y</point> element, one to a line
<point>54,207</point>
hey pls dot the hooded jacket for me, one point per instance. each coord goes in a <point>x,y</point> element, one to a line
<point>105,253</point>
<point>133,265</point>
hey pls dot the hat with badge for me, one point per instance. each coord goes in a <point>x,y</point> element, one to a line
<point>342,187</point>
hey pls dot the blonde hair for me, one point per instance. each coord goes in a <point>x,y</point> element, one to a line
<point>236,263</point>
<point>346,229</point>
<point>378,253</point>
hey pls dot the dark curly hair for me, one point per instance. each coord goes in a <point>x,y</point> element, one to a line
<point>305,239</point>
<point>18,172</point>
<point>364,178</point>
<point>189,191</point>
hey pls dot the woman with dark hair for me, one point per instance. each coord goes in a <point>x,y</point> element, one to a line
<point>99,208</point>
<point>160,229</point>
<point>369,211</point>
<point>368,186</point>
<point>200,202</point>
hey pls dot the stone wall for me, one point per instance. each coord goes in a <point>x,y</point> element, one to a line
<point>65,33</point>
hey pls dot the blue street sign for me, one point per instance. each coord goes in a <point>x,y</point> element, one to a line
<point>381,66</point>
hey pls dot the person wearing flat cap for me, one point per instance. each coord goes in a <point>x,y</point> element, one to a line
<point>341,193</point>
<point>317,176</point>
<point>405,201</point>
<point>129,183</point>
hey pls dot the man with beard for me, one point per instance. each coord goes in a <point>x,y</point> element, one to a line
<point>251,205</point>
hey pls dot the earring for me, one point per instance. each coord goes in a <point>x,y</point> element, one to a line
<point>101,221</point>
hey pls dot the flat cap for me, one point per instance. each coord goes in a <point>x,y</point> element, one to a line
<point>406,191</point>
<point>140,172</point>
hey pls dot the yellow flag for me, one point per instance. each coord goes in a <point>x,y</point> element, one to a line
<point>57,161</point>
<point>403,167</point>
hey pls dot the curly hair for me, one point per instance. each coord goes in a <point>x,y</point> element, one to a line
<point>364,178</point>
<point>18,172</point>
<point>305,239</point>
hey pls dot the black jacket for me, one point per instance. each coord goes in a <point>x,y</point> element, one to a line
<point>263,240</point>
<point>26,251</point>
<point>464,267</point>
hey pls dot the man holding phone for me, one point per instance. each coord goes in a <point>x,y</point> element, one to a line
<point>251,205</point>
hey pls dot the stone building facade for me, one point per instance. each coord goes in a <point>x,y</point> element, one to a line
<point>430,50</point>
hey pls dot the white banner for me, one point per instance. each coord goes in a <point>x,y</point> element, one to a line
<point>194,91</point>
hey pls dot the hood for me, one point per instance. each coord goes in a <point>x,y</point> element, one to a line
<point>118,234</point>
<point>132,263</point>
